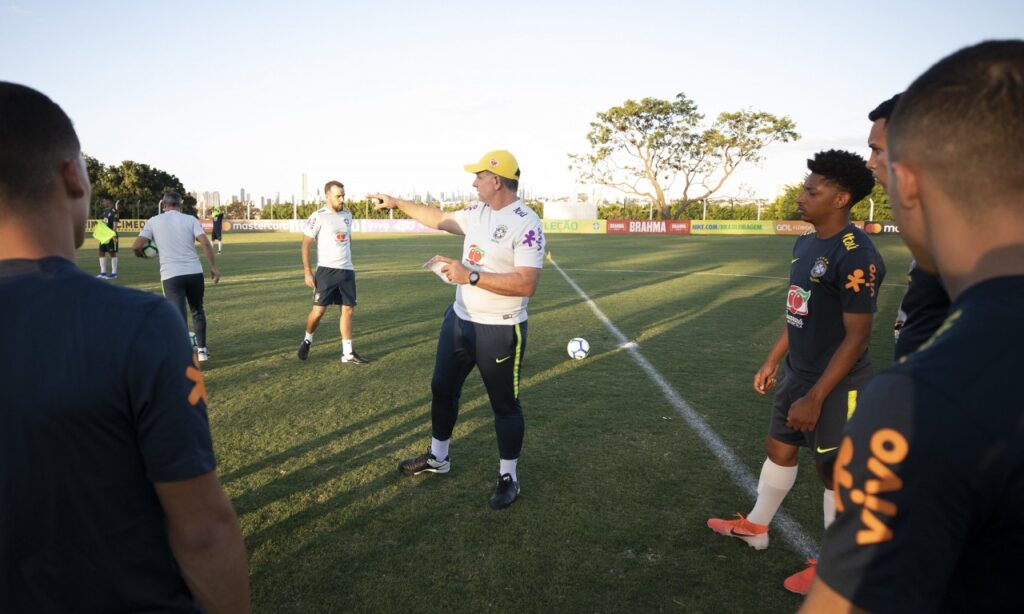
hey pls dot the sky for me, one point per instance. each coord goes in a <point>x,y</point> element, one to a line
<point>396,96</point>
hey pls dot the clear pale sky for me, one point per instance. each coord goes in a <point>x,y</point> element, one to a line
<point>397,96</point>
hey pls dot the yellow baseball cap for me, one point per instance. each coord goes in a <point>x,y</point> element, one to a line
<point>499,162</point>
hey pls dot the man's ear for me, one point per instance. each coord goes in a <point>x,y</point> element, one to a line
<point>904,179</point>
<point>842,199</point>
<point>74,182</point>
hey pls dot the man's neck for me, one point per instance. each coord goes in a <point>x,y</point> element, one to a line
<point>502,200</point>
<point>41,236</point>
<point>831,227</point>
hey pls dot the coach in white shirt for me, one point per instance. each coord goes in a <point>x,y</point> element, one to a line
<point>181,273</point>
<point>502,256</point>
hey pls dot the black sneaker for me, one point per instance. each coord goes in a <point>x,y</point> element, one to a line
<point>355,359</point>
<point>304,349</point>
<point>426,463</point>
<point>505,493</point>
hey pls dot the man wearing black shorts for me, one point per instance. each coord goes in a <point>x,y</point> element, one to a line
<point>930,474</point>
<point>926,304</point>
<point>181,273</point>
<point>109,497</point>
<point>835,276</point>
<point>218,229</point>
<point>335,280</point>
<point>110,218</point>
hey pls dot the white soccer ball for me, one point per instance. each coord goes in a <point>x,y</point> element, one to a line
<point>149,250</point>
<point>578,348</point>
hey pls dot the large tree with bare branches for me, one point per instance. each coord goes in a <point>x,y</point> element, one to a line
<point>643,148</point>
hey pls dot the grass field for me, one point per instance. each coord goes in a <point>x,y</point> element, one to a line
<point>616,488</point>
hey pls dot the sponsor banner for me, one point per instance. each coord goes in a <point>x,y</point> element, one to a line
<point>574,226</point>
<point>122,225</point>
<point>256,225</point>
<point>644,227</point>
<point>389,226</point>
<point>799,227</point>
<point>732,227</point>
<point>881,228</point>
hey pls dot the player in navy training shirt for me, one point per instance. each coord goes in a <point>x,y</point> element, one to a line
<point>930,474</point>
<point>834,277</point>
<point>926,304</point>
<point>109,498</point>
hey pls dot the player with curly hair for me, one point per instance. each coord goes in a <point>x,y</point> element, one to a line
<point>834,278</point>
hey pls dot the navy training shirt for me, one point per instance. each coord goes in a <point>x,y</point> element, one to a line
<point>99,398</point>
<point>924,307</point>
<point>930,475</point>
<point>828,277</point>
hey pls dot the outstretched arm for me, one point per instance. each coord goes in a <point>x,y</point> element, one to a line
<point>424,214</point>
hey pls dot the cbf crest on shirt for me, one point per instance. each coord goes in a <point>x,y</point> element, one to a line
<point>333,233</point>
<point>497,242</point>
<point>828,277</point>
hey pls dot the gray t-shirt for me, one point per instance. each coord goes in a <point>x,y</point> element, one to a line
<point>175,236</point>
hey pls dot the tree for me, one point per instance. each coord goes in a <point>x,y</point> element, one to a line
<point>138,186</point>
<point>642,148</point>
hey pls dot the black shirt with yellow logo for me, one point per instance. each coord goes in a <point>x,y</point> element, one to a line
<point>99,399</point>
<point>828,277</point>
<point>929,480</point>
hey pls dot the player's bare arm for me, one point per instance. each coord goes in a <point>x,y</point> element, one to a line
<point>764,379</point>
<point>207,542</point>
<point>140,242</point>
<point>424,214</point>
<point>208,250</point>
<point>804,413</point>
<point>307,271</point>
<point>521,282</point>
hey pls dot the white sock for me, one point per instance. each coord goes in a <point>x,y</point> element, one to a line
<point>346,347</point>
<point>439,448</point>
<point>113,265</point>
<point>828,504</point>
<point>772,488</point>
<point>103,265</point>
<point>309,337</point>
<point>509,467</point>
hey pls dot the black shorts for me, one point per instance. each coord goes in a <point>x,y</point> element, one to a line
<point>839,405</point>
<point>109,247</point>
<point>334,287</point>
<point>216,233</point>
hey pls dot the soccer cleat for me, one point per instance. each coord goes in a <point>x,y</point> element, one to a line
<point>756,535</point>
<point>800,582</point>
<point>355,359</point>
<point>304,349</point>
<point>505,493</point>
<point>102,275</point>
<point>112,276</point>
<point>426,463</point>
<point>203,354</point>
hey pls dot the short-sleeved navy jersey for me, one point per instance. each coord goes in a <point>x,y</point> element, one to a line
<point>83,438</point>
<point>828,277</point>
<point>924,307</point>
<point>930,475</point>
<point>110,218</point>
<point>218,220</point>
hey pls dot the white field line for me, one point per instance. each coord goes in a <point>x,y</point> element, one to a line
<point>790,530</point>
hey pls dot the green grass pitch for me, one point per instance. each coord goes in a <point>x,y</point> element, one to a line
<point>616,489</point>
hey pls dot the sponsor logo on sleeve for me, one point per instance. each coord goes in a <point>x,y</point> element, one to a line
<point>888,447</point>
<point>199,386</point>
<point>849,243</point>
<point>855,280</point>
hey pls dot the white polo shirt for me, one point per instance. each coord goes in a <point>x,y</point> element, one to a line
<point>497,242</point>
<point>175,236</point>
<point>333,233</point>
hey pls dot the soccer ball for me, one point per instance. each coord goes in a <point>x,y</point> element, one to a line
<point>149,250</point>
<point>578,348</point>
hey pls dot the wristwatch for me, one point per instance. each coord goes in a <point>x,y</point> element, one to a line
<point>473,278</point>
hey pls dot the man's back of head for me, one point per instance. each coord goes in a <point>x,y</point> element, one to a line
<point>962,123</point>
